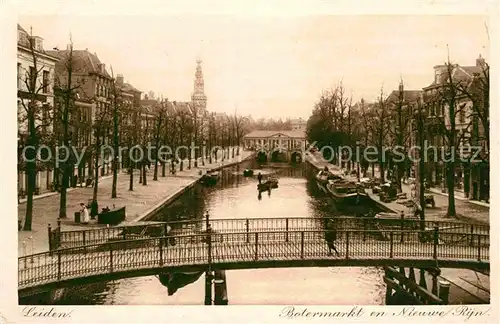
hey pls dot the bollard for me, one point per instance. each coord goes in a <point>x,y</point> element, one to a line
<point>444,291</point>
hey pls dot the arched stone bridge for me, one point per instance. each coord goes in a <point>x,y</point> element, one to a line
<point>81,257</point>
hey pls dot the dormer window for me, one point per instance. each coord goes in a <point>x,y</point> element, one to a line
<point>437,76</point>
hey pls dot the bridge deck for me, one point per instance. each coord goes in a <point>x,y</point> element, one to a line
<point>248,250</point>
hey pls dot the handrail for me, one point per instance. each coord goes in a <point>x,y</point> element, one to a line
<point>245,249</point>
<point>156,229</point>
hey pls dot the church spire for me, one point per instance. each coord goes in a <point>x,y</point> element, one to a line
<point>199,98</point>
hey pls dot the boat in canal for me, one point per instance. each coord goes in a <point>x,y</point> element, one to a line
<point>248,173</point>
<point>347,193</point>
<point>270,183</point>
<point>323,177</point>
<point>210,178</point>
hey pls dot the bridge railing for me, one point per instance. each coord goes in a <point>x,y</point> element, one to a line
<point>157,229</point>
<point>229,248</point>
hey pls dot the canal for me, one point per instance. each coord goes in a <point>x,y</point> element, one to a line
<point>235,196</point>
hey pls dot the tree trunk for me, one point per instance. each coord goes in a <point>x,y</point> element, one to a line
<point>115,147</point>
<point>144,176</point>
<point>131,180</point>
<point>94,209</point>
<point>450,184</point>
<point>30,189</point>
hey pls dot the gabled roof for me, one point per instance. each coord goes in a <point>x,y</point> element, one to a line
<point>83,61</point>
<point>19,27</point>
<point>408,95</point>
<point>270,133</point>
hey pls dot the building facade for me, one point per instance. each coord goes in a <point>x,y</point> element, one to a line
<point>35,92</point>
<point>275,142</point>
<point>471,177</point>
<point>90,107</point>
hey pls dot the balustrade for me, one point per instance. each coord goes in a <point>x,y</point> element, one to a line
<point>286,242</point>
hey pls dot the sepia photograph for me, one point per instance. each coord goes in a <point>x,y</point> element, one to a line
<point>218,159</point>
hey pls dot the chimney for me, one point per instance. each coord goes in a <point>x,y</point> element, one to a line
<point>119,79</point>
<point>103,68</point>
<point>68,47</point>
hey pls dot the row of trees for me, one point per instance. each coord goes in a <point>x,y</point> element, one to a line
<point>121,123</point>
<point>401,119</point>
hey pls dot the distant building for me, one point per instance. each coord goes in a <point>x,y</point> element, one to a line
<point>271,140</point>
<point>298,124</point>
<point>198,97</point>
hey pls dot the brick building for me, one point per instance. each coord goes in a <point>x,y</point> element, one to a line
<point>471,177</point>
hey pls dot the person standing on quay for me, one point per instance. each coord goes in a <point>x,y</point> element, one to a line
<point>331,237</point>
<point>84,212</point>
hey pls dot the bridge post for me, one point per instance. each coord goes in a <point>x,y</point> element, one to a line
<point>208,287</point>
<point>444,291</point>
<point>422,282</point>
<point>49,229</point>
<point>471,235</point>
<point>364,228</point>
<point>110,257</point>
<point>302,244</point>
<point>160,245</point>
<point>256,246</point>
<point>286,229</point>
<point>391,253</point>
<point>436,240</point>
<point>247,226</point>
<point>478,247</point>
<point>402,216</point>
<point>412,274</point>
<point>58,265</point>
<point>347,244</point>
<point>388,289</point>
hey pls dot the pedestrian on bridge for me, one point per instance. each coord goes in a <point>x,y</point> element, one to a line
<point>330,238</point>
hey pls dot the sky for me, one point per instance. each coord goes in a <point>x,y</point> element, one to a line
<point>270,66</point>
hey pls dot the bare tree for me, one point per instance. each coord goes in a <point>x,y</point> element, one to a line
<point>160,122</point>
<point>116,103</point>
<point>380,130</point>
<point>449,95</point>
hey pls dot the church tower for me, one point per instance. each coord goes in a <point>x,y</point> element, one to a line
<point>198,98</point>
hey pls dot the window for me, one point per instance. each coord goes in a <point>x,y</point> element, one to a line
<point>45,81</point>
<point>461,114</point>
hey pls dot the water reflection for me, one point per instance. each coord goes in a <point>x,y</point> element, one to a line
<point>234,197</point>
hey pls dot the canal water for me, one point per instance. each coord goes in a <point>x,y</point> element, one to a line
<point>235,196</point>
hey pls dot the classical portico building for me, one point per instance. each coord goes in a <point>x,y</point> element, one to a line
<point>277,145</point>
